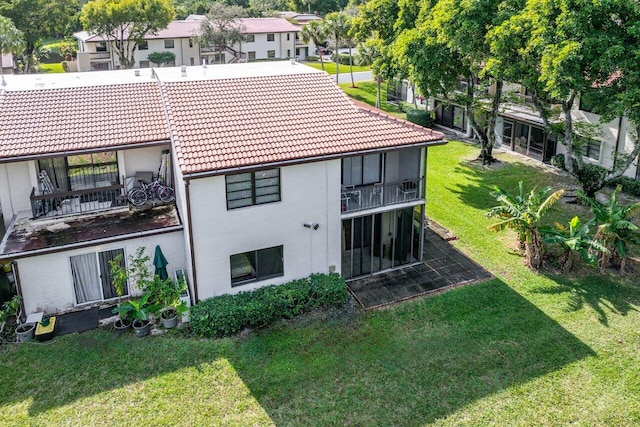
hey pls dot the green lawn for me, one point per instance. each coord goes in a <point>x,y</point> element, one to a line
<point>330,67</point>
<point>521,349</point>
<point>366,92</point>
<point>51,68</point>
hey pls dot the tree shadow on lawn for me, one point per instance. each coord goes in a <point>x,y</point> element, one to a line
<point>481,181</point>
<point>407,365</point>
<point>603,293</point>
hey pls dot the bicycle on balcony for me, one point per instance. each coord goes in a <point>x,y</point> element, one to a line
<point>140,195</point>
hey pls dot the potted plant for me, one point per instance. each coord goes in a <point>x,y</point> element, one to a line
<point>119,278</point>
<point>24,331</point>
<point>169,297</point>
<point>138,310</point>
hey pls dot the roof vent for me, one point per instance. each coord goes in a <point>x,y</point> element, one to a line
<point>293,61</point>
<point>204,63</point>
<point>183,70</point>
<point>137,73</point>
<point>4,82</point>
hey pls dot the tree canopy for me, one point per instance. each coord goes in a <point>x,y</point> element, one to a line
<point>126,23</point>
<point>222,27</point>
<point>11,39</point>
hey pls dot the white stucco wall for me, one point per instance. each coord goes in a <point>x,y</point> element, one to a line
<point>16,183</point>
<point>310,194</point>
<point>142,160</point>
<point>46,280</point>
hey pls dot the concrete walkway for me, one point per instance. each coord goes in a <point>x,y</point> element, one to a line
<point>443,267</point>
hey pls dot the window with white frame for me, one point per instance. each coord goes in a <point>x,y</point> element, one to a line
<point>271,54</point>
<point>252,55</point>
<point>101,47</point>
<point>250,38</point>
<point>257,265</point>
<point>253,188</point>
<point>144,64</point>
<point>591,149</point>
<point>143,45</point>
<point>271,37</point>
<point>169,44</point>
<point>91,279</point>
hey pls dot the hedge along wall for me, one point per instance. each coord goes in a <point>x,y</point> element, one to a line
<point>226,315</point>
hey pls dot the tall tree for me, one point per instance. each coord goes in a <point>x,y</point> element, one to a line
<point>37,19</point>
<point>222,27</point>
<point>316,32</point>
<point>125,23</point>
<point>562,49</point>
<point>11,39</point>
<point>337,25</point>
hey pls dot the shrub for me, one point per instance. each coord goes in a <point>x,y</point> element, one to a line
<point>629,185</point>
<point>558,161</point>
<point>226,315</point>
<point>343,58</point>
<point>420,117</point>
<point>312,58</point>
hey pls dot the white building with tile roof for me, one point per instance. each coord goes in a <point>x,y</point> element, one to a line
<point>265,39</point>
<point>277,175</point>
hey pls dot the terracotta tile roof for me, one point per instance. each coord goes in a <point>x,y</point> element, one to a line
<point>48,121</point>
<point>237,122</point>
<point>190,28</point>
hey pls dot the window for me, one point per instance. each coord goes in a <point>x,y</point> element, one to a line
<point>288,36</point>
<point>219,59</point>
<point>271,54</point>
<point>252,55</point>
<point>99,66</point>
<point>143,45</point>
<point>257,265</point>
<point>253,188</point>
<point>288,53</point>
<point>362,170</point>
<point>591,149</point>
<point>168,44</point>
<point>81,172</point>
<point>192,61</point>
<point>101,47</point>
<point>91,279</point>
<point>190,42</point>
<point>251,38</point>
<point>144,64</point>
<point>271,37</point>
<point>587,102</point>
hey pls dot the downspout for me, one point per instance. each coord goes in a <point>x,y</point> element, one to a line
<point>16,277</point>
<point>194,279</point>
<point>617,149</point>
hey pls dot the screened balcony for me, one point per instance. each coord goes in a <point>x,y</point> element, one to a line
<point>381,179</point>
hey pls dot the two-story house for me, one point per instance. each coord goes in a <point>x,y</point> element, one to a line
<point>295,179</point>
<point>265,39</point>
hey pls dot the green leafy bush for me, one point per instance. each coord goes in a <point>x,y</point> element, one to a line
<point>226,315</point>
<point>629,185</point>
<point>312,58</point>
<point>343,59</point>
<point>420,117</point>
<point>558,161</point>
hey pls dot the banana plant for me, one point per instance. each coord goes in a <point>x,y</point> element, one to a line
<point>522,212</point>
<point>616,229</point>
<point>574,239</point>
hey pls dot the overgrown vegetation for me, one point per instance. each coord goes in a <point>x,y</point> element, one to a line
<point>226,315</point>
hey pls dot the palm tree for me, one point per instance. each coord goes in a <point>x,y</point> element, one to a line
<point>522,213</point>
<point>317,33</point>
<point>11,39</point>
<point>573,239</point>
<point>337,25</point>
<point>615,230</point>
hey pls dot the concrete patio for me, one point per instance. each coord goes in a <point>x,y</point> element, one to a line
<point>443,267</point>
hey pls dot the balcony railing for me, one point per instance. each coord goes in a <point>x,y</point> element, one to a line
<point>78,201</point>
<point>373,196</point>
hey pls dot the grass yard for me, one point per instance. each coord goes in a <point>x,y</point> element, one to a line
<point>51,68</point>
<point>366,92</point>
<point>521,349</point>
<point>330,67</point>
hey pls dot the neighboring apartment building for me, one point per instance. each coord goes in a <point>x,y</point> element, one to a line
<point>294,180</point>
<point>519,127</point>
<point>6,64</point>
<point>303,50</point>
<point>265,39</point>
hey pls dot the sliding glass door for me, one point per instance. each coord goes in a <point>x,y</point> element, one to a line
<point>379,242</point>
